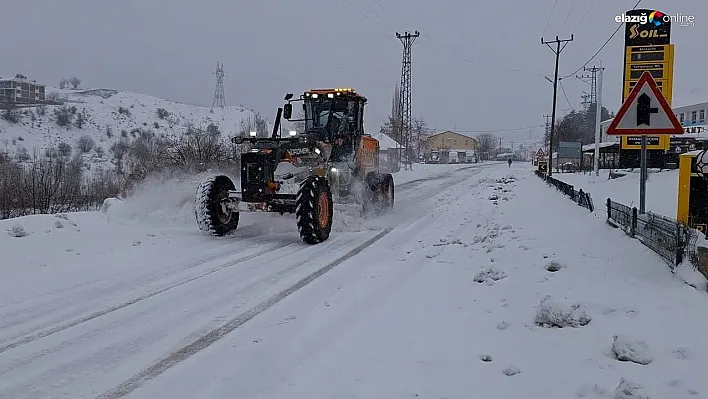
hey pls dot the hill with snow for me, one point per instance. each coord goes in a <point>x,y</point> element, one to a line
<point>106,117</point>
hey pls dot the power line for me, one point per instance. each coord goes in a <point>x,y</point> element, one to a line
<point>601,48</point>
<point>475,60</point>
<point>565,95</point>
<point>569,14</point>
<point>583,17</point>
<point>429,39</point>
<point>548,22</point>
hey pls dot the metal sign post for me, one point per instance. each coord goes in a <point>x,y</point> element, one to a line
<point>643,176</point>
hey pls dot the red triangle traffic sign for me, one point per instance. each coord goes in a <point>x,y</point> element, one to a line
<point>640,115</point>
<point>540,153</point>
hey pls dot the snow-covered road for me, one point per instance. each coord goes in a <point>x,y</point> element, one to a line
<point>455,294</point>
<point>90,309</point>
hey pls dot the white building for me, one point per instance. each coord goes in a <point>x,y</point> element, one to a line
<point>20,90</point>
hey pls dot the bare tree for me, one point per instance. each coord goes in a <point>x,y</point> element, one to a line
<point>420,133</point>
<point>254,123</point>
<point>75,82</point>
<point>487,144</point>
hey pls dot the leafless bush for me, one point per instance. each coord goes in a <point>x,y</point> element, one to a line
<point>63,116</point>
<point>54,182</point>
<point>51,184</point>
<point>64,149</point>
<point>85,143</point>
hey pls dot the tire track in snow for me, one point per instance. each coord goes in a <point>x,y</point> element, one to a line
<point>47,332</point>
<point>26,338</point>
<point>214,335</point>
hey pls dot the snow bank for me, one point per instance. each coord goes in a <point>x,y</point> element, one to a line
<point>662,189</point>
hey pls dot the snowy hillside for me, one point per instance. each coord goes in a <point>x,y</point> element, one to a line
<point>106,116</point>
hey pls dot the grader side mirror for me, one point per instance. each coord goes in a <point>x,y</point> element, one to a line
<point>287,111</point>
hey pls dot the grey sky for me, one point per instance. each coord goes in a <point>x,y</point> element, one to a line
<point>169,49</point>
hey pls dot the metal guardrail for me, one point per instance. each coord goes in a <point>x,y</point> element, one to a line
<point>580,197</point>
<point>670,239</point>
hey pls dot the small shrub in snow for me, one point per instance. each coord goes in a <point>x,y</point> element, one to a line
<point>629,390</point>
<point>503,326</point>
<point>553,266</point>
<point>58,225</point>
<point>511,370</point>
<point>162,113</point>
<point>630,350</point>
<point>486,358</point>
<point>554,314</point>
<point>18,231</point>
<point>681,353</point>
<point>491,273</point>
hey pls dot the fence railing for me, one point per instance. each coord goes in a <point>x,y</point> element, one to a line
<point>580,197</point>
<point>670,239</point>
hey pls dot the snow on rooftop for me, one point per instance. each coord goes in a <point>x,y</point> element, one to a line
<point>385,142</point>
<point>604,144</point>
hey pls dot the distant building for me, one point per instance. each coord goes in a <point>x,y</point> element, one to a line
<point>20,90</point>
<point>449,140</point>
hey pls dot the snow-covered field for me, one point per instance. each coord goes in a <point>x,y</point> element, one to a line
<point>454,294</point>
<point>662,189</point>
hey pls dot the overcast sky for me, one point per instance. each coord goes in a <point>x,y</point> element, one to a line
<point>463,62</point>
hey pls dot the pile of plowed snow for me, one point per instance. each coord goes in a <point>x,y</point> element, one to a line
<point>166,199</point>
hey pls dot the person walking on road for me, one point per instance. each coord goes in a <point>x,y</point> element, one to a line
<point>510,162</point>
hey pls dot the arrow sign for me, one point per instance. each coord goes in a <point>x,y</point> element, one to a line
<point>645,112</point>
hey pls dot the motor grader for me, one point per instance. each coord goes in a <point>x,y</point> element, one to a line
<point>304,172</point>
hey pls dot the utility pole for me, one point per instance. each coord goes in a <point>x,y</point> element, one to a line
<point>557,52</point>
<point>219,96</point>
<point>407,40</point>
<point>598,120</point>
